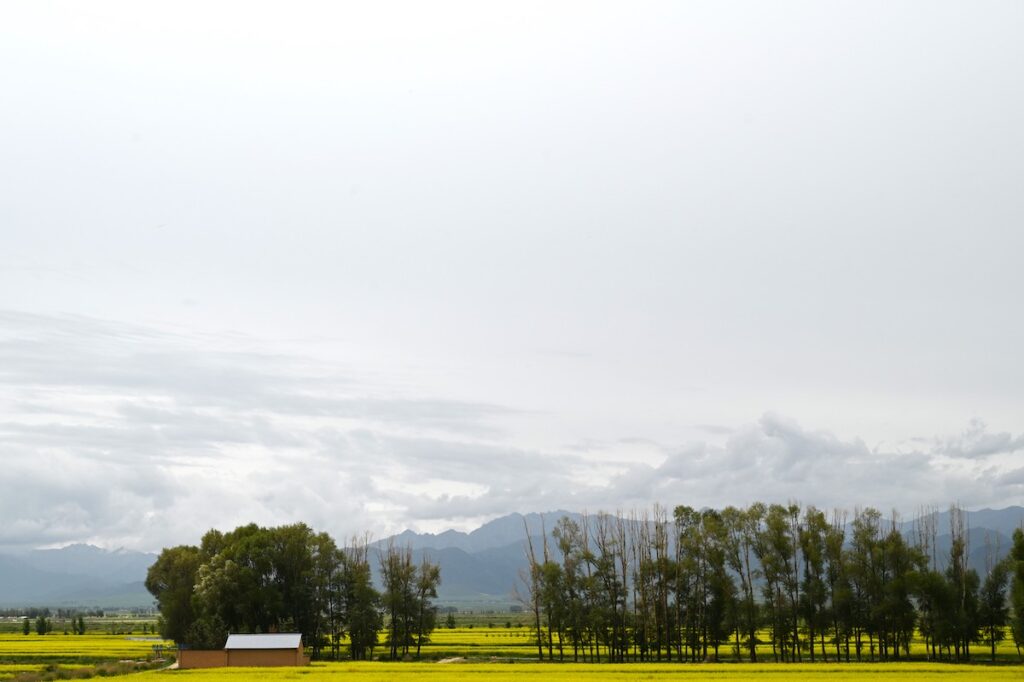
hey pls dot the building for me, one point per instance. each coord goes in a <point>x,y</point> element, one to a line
<point>284,649</point>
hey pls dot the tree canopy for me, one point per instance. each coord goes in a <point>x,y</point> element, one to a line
<point>283,579</point>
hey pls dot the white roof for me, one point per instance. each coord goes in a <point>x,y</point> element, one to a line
<point>286,640</point>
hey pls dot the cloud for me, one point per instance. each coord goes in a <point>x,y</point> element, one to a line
<point>128,436</point>
<point>976,442</point>
<point>776,460</point>
<point>122,434</point>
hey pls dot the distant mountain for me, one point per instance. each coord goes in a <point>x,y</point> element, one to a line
<point>77,575</point>
<point>115,566</point>
<point>485,564</point>
<point>479,567</point>
<point>500,532</point>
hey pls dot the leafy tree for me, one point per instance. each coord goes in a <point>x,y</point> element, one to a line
<point>742,527</point>
<point>1017,589</point>
<point>255,579</point>
<point>42,625</point>
<point>26,626</point>
<point>961,615</point>
<point>993,612</point>
<point>362,603</point>
<point>171,579</point>
<point>426,589</point>
<point>398,575</point>
<point>813,535</point>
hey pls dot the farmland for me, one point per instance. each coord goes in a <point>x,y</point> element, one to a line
<point>496,654</point>
<point>542,672</point>
<point>63,654</point>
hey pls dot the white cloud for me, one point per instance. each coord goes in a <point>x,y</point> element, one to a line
<point>977,442</point>
<point>171,435</point>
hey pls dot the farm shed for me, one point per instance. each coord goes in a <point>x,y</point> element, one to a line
<point>283,649</point>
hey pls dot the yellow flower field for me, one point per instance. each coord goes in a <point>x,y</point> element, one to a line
<point>84,648</point>
<point>555,672</point>
<point>21,654</point>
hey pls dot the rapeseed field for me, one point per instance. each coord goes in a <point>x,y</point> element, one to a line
<point>54,653</point>
<point>55,648</point>
<point>494,655</point>
<point>556,672</point>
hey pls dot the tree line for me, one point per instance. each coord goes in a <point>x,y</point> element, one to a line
<point>811,585</point>
<point>292,579</point>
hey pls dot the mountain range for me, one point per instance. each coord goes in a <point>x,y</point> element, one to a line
<point>479,569</point>
<point>76,575</point>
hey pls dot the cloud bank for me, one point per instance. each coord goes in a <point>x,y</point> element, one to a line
<point>124,435</point>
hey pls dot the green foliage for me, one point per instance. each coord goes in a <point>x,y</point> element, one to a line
<point>993,612</point>
<point>790,581</point>
<point>1017,588</point>
<point>255,579</point>
<point>171,579</point>
<point>408,591</point>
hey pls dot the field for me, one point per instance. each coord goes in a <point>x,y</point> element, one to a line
<point>543,672</point>
<point>495,654</point>
<point>519,643</point>
<point>34,654</point>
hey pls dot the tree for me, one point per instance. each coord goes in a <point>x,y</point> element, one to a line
<point>398,575</point>
<point>42,625</point>
<point>993,612</point>
<point>171,580</point>
<point>812,538</point>
<point>426,589</point>
<point>742,528</point>
<point>254,579</point>
<point>26,626</point>
<point>1017,589</point>
<point>362,603</point>
<point>962,614</point>
<point>80,625</point>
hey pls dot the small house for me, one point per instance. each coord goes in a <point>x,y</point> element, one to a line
<point>277,649</point>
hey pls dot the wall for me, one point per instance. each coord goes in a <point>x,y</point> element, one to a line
<point>265,657</point>
<point>198,658</point>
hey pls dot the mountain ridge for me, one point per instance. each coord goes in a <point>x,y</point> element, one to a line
<point>480,566</point>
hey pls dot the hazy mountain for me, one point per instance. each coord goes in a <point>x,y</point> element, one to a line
<point>500,532</point>
<point>486,563</point>
<point>77,575</point>
<point>482,566</point>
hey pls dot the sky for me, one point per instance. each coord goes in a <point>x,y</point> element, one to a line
<point>389,265</point>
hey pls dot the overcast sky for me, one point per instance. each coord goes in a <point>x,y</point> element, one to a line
<point>381,265</point>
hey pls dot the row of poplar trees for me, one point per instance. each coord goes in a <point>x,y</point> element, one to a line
<point>811,585</point>
<point>292,579</point>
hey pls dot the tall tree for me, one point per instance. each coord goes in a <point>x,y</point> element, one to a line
<point>993,612</point>
<point>427,582</point>
<point>361,601</point>
<point>813,538</point>
<point>171,580</point>
<point>1017,589</point>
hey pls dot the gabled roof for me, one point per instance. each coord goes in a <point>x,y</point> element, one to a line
<point>287,640</point>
